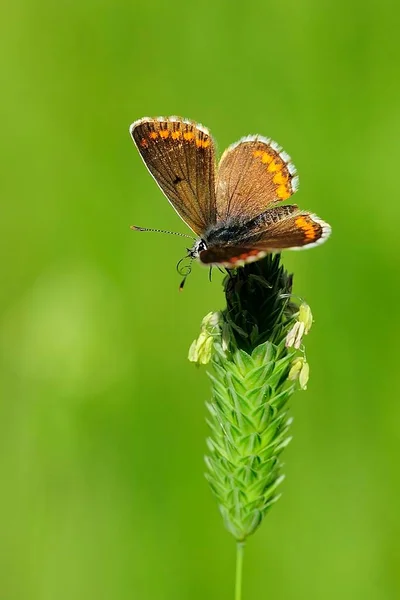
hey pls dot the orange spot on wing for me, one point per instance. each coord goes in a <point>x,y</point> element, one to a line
<point>188,135</point>
<point>307,227</point>
<point>243,256</point>
<point>274,166</point>
<point>280,178</point>
<point>164,133</point>
<point>144,143</point>
<point>266,158</point>
<point>154,135</point>
<point>283,192</point>
<point>202,143</point>
<point>176,135</point>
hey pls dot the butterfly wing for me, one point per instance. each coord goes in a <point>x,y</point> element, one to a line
<point>277,229</point>
<point>180,155</point>
<point>230,257</point>
<point>298,231</point>
<point>253,174</point>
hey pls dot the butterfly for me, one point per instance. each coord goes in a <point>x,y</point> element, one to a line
<point>232,206</point>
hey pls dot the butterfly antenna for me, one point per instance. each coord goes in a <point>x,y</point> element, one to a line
<point>135,228</point>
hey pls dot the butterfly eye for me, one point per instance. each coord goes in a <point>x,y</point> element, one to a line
<point>202,246</point>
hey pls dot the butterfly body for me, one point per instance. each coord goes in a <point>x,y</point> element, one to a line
<point>230,206</point>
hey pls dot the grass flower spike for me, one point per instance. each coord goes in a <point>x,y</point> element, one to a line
<point>255,349</point>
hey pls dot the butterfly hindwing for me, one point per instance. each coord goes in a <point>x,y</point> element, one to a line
<point>277,229</point>
<point>294,232</point>
<point>180,154</point>
<point>230,256</point>
<point>253,174</point>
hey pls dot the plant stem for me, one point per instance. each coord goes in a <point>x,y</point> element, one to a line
<point>239,570</point>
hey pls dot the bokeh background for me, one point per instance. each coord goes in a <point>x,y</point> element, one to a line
<point>102,418</point>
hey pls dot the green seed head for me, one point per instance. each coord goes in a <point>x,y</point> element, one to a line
<point>253,347</point>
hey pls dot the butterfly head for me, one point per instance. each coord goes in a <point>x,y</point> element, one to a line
<point>198,247</point>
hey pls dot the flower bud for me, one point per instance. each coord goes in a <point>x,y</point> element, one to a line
<point>201,349</point>
<point>304,375</point>
<point>305,316</point>
<point>296,367</point>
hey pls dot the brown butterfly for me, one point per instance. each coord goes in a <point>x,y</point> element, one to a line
<point>229,206</point>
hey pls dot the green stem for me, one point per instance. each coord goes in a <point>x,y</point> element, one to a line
<point>239,570</point>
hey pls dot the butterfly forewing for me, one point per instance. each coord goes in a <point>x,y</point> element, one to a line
<point>180,155</point>
<point>253,174</point>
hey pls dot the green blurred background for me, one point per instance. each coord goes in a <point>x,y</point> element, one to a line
<point>102,418</point>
